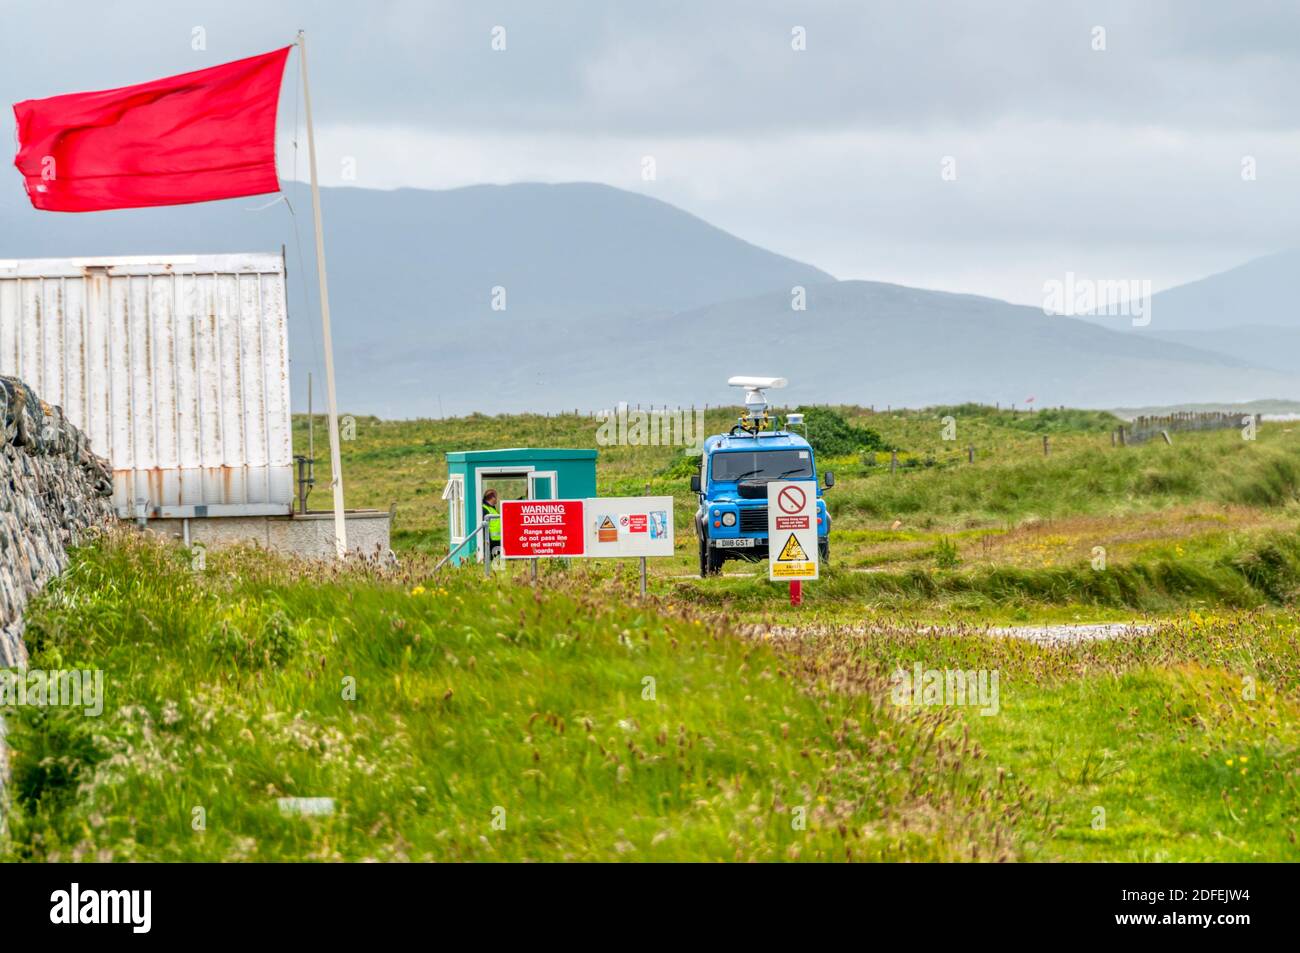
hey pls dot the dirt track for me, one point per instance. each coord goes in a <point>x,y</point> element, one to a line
<point>1042,634</point>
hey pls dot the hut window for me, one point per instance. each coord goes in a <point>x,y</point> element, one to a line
<point>454,494</point>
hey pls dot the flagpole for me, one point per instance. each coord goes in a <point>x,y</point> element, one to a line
<point>336,463</point>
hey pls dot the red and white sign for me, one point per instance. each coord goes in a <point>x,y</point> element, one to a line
<point>792,553</point>
<point>531,528</point>
<point>629,526</point>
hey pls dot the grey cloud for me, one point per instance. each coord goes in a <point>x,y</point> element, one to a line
<point>1131,153</point>
<point>691,68</point>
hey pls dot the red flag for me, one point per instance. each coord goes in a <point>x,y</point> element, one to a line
<point>196,137</point>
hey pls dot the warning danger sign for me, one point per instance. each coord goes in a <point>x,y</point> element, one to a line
<point>541,528</point>
<point>792,530</point>
<point>792,551</point>
<point>793,562</point>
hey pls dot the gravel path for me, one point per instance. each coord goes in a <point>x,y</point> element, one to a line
<point>1068,633</point>
<point>1065,633</point>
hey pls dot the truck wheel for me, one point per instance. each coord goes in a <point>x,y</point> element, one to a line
<point>710,559</point>
<point>715,561</point>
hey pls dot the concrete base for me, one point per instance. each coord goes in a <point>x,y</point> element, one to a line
<point>302,534</point>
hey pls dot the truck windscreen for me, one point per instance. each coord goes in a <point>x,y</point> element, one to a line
<point>763,465</point>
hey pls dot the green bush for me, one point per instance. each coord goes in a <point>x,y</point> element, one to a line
<point>833,436</point>
<point>945,554</point>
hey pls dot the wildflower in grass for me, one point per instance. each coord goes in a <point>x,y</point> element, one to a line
<point>1242,759</point>
<point>418,591</point>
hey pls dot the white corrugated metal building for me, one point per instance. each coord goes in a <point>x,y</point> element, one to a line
<point>176,367</point>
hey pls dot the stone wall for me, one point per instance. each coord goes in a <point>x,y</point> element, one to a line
<point>53,489</point>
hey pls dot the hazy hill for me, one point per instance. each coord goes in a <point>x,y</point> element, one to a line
<point>1260,292</point>
<point>858,341</point>
<point>612,296</point>
<point>1267,345</point>
<point>1246,312</point>
<point>887,344</point>
<point>417,268</point>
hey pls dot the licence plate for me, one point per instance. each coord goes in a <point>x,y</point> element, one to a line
<point>743,542</point>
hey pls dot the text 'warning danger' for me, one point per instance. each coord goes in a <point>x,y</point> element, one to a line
<point>541,528</point>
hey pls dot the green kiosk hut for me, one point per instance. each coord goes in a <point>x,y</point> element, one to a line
<point>516,474</point>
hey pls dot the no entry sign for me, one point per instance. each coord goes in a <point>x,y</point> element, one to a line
<point>541,528</point>
<point>792,530</point>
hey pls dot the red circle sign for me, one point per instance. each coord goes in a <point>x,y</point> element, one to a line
<point>791,499</point>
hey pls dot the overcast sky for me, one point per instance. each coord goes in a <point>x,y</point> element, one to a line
<point>1118,163</point>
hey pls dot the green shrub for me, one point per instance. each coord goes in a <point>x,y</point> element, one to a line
<point>833,436</point>
<point>945,554</point>
<point>254,636</point>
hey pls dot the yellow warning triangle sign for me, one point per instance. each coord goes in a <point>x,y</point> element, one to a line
<point>792,551</point>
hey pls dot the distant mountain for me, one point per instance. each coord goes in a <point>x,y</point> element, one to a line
<point>1248,312</point>
<point>414,268</point>
<point>877,343</point>
<point>1264,345</point>
<point>1260,292</point>
<point>612,296</point>
<point>857,341</point>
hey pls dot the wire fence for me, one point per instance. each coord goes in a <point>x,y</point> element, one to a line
<point>1142,429</point>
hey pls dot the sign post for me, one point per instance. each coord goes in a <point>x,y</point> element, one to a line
<point>792,552</point>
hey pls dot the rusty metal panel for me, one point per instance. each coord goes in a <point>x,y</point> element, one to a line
<point>176,368</point>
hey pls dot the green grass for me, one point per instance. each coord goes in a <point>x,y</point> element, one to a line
<point>1085,479</point>
<point>474,702</point>
<point>1155,765</point>
<point>935,492</point>
<point>770,733</point>
<point>1234,571</point>
<point>478,701</point>
<point>1187,739</point>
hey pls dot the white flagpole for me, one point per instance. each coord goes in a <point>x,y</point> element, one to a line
<point>336,464</point>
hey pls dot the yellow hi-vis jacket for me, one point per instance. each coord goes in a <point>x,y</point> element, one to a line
<point>494,523</point>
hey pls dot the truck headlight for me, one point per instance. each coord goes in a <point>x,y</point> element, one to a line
<point>728,519</point>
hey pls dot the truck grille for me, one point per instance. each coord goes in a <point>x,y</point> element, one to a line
<point>753,519</point>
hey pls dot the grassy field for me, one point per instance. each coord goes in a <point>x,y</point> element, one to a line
<point>449,717</point>
<point>1014,535</point>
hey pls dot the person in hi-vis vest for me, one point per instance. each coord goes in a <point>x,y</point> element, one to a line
<point>493,516</point>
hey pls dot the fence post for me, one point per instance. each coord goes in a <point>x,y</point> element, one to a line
<point>1047,449</point>
<point>893,460</point>
<point>970,454</point>
<point>647,493</point>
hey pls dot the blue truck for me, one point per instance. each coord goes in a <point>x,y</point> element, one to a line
<point>735,468</point>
